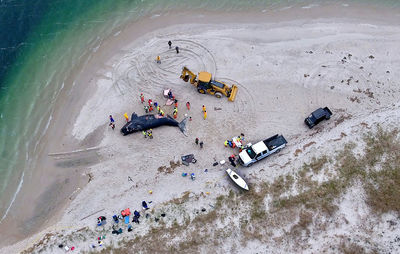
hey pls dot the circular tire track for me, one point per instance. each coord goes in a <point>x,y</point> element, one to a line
<point>244,102</point>
<point>211,66</point>
<point>138,70</point>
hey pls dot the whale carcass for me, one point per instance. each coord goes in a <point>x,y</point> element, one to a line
<point>145,122</point>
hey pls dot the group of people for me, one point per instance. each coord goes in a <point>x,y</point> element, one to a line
<point>158,58</point>
<point>151,106</point>
<point>196,141</point>
<point>170,46</point>
<point>123,216</point>
<point>239,140</point>
<point>204,112</point>
<point>148,133</point>
<point>232,160</point>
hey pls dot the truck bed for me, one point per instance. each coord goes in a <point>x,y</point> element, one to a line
<point>328,110</point>
<point>274,141</point>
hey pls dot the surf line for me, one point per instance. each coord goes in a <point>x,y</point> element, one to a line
<point>15,196</point>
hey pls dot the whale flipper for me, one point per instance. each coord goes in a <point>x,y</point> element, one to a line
<point>182,126</point>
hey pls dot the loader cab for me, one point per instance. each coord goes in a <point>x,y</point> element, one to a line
<point>204,80</point>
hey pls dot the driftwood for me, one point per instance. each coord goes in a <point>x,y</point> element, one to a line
<point>92,214</point>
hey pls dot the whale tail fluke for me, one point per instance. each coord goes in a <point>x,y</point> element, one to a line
<point>182,126</point>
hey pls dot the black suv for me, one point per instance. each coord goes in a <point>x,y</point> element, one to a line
<point>317,116</point>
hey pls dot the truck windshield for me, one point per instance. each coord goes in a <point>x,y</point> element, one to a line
<point>251,153</point>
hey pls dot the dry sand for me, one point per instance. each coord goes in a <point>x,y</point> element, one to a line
<point>284,71</point>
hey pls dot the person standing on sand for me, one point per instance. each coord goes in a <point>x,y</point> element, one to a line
<point>188,105</point>
<point>150,133</point>
<point>196,141</point>
<point>170,95</point>
<point>204,108</point>
<point>126,117</point>
<point>112,126</point>
<point>169,44</point>
<point>158,59</point>
<point>111,119</point>
<point>205,115</point>
<point>201,144</point>
<point>141,98</point>
<point>177,49</point>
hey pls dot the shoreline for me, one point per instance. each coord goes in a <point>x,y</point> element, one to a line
<point>129,34</point>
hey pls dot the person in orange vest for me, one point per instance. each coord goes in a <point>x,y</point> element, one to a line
<point>175,112</point>
<point>158,108</point>
<point>204,108</point>
<point>141,98</point>
<point>176,103</point>
<point>188,105</point>
<point>205,115</point>
<point>158,59</point>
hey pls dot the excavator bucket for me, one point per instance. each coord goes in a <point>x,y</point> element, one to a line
<point>234,90</point>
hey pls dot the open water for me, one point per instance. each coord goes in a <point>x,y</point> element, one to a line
<point>42,40</point>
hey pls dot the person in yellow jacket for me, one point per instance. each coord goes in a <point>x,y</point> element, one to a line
<point>126,117</point>
<point>226,143</point>
<point>205,115</point>
<point>150,133</point>
<point>175,112</point>
<point>158,59</point>
<point>204,108</point>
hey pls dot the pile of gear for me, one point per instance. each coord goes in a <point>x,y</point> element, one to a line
<point>186,159</point>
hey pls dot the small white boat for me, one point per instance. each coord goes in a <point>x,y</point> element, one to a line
<point>237,179</point>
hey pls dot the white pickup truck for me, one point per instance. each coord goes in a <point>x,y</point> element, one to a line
<point>253,153</point>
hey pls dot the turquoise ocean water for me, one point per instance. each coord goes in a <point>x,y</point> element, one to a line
<point>42,40</point>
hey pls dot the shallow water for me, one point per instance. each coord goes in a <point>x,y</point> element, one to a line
<point>40,43</point>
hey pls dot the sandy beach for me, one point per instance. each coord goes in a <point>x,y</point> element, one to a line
<point>285,64</point>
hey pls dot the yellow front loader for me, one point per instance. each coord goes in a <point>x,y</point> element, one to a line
<point>205,84</point>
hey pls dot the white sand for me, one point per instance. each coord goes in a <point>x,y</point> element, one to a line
<point>280,82</point>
